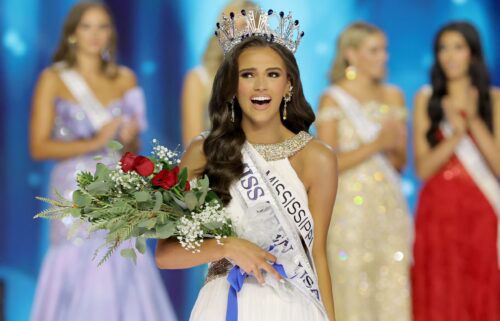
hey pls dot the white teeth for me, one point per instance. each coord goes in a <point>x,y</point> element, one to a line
<point>261,98</point>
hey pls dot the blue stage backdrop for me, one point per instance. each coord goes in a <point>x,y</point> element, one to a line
<point>161,40</point>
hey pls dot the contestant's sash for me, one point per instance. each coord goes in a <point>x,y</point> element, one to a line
<point>96,113</point>
<point>473,161</point>
<point>367,130</point>
<point>260,186</point>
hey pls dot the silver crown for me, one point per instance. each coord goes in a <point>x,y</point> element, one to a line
<point>275,27</point>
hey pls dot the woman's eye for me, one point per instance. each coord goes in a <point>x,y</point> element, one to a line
<point>247,75</point>
<point>274,74</point>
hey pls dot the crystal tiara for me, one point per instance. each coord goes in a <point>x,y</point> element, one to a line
<point>275,27</point>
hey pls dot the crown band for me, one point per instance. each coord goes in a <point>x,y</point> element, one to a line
<point>274,27</point>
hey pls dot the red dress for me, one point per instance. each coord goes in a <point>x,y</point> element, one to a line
<point>455,276</point>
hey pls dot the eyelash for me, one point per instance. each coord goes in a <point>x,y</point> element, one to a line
<point>272,74</point>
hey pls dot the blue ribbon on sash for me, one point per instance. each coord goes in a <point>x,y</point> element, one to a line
<point>236,279</point>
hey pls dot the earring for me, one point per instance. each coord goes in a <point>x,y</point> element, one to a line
<point>106,54</point>
<point>232,108</point>
<point>287,99</point>
<point>72,40</point>
<point>350,73</point>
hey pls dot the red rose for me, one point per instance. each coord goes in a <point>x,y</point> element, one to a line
<point>143,166</point>
<point>127,161</point>
<point>188,187</point>
<point>166,178</point>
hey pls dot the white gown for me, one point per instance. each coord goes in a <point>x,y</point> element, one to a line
<point>257,302</point>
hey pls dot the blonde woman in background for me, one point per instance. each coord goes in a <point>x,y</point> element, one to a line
<point>198,82</point>
<point>369,239</point>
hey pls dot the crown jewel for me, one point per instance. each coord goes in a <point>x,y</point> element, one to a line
<point>275,27</point>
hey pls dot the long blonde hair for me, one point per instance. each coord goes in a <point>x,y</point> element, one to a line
<point>351,37</point>
<point>65,51</point>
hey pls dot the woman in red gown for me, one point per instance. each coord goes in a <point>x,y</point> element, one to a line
<point>457,154</point>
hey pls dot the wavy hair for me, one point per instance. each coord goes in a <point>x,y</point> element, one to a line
<point>223,145</point>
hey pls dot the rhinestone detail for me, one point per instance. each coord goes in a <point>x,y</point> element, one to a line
<point>285,149</point>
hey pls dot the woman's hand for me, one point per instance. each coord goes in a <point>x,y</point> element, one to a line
<point>128,131</point>
<point>108,131</point>
<point>250,258</point>
<point>456,116</point>
<point>390,135</point>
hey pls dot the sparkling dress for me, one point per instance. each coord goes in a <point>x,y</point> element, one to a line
<point>455,274</point>
<point>70,285</point>
<point>256,302</point>
<point>370,232</point>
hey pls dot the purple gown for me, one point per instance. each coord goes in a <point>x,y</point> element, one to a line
<point>70,285</point>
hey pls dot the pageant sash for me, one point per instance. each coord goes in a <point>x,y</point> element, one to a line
<point>471,158</point>
<point>261,187</point>
<point>367,130</point>
<point>96,113</point>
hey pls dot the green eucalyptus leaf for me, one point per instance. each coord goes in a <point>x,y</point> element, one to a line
<point>140,245</point>
<point>190,200</point>
<point>158,201</point>
<point>149,224</point>
<point>142,196</point>
<point>213,225</point>
<point>75,212</point>
<point>81,199</point>
<point>166,196</point>
<point>166,231</point>
<point>98,188</point>
<point>115,145</point>
<point>102,171</point>
<point>129,253</point>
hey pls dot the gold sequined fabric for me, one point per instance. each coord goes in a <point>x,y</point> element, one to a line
<point>369,237</point>
<point>285,149</point>
<point>218,269</point>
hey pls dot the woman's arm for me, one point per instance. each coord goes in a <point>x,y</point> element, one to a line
<point>488,143</point>
<point>42,123</point>
<point>328,132</point>
<point>192,107</point>
<point>429,160</point>
<point>248,256</point>
<point>320,177</point>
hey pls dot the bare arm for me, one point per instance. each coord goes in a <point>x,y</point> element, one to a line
<point>429,160</point>
<point>488,143</point>
<point>42,146</point>
<point>192,107</point>
<point>248,256</point>
<point>328,132</point>
<point>321,162</point>
<point>398,156</point>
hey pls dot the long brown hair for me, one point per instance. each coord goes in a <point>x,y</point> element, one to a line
<point>223,145</point>
<point>351,37</point>
<point>65,51</point>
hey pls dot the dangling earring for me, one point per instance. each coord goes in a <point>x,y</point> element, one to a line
<point>350,73</point>
<point>72,40</point>
<point>232,108</point>
<point>106,54</point>
<point>287,99</point>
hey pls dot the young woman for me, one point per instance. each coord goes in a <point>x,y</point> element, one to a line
<point>457,144</point>
<point>198,82</point>
<point>369,241</point>
<point>81,102</point>
<point>257,155</point>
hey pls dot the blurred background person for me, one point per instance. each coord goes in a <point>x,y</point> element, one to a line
<point>457,155</point>
<point>363,118</point>
<point>81,102</point>
<point>198,81</point>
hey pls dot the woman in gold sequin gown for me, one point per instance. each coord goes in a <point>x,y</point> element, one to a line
<point>369,237</point>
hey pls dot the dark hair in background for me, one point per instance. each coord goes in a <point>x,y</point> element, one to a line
<point>478,73</point>
<point>66,51</point>
<point>223,145</point>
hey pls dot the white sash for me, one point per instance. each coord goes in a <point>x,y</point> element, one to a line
<point>471,158</point>
<point>96,113</point>
<point>270,194</point>
<point>367,131</point>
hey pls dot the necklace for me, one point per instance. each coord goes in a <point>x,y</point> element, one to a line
<point>285,149</point>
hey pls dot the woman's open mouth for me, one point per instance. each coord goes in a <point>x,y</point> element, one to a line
<point>260,102</point>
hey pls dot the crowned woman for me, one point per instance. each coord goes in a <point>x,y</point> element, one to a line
<point>264,165</point>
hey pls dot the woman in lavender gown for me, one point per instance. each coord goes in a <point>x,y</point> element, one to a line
<point>81,102</point>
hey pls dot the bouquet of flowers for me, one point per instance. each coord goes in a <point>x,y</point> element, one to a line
<point>144,198</point>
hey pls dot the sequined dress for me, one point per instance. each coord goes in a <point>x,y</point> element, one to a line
<point>257,302</point>
<point>370,232</point>
<point>455,274</point>
<point>70,285</point>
